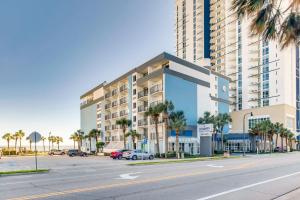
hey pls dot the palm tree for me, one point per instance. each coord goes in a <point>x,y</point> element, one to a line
<point>177,123</point>
<point>277,127</point>
<point>282,131</point>
<point>271,133</point>
<point>58,140</point>
<point>16,137</point>
<point>222,119</point>
<point>208,118</point>
<point>74,138</point>
<point>134,135</point>
<point>20,134</point>
<point>43,139</point>
<point>290,139</point>
<point>95,133</point>
<point>124,124</point>
<point>80,135</point>
<point>271,20</point>
<point>256,132</point>
<point>168,107</point>
<point>52,139</point>
<point>265,128</point>
<point>8,137</point>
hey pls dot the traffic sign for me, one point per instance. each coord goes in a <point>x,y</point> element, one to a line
<point>35,137</point>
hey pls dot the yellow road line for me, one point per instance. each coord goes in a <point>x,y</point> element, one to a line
<point>87,189</point>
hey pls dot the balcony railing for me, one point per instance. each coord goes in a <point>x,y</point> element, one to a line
<point>123,113</point>
<point>143,122</point>
<point>155,88</point>
<point>155,103</point>
<point>114,115</point>
<point>142,108</point>
<point>114,92</point>
<point>114,104</point>
<point>123,88</point>
<point>107,106</point>
<point>123,101</point>
<point>143,93</point>
<point>107,117</point>
<point>107,95</point>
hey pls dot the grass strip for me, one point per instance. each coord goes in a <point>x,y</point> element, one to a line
<point>181,160</point>
<point>29,171</point>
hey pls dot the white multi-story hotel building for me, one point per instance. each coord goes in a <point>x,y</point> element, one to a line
<point>192,88</point>
<point>264,78</point>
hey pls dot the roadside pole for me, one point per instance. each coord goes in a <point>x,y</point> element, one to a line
<point>36,137</point>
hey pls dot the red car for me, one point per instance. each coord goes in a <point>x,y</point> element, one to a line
<point>118,154</point>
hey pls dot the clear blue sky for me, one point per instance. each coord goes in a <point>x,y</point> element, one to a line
<point>52,51</point>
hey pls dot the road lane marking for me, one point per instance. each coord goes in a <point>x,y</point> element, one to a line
<point>215,166</point>
<point>128,176</point>
<point>123,184</point>
<point>248,186</point>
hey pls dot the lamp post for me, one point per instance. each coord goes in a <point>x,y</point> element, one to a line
<point>49,140</point>
<point>244,145</point>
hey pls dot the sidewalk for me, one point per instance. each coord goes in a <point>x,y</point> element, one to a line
<point>294,195</point>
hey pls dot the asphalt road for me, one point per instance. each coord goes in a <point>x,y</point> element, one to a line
<point>255,177</point>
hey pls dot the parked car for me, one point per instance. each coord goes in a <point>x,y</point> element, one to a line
<point>118,154</point>
<point>137,154</point>
<point>56,152</point>
<point>76,152</point>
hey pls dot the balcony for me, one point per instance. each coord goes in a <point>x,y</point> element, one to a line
<point>114,115</point>
<point>152,104</point>
<point>123,101</point>
<point>143,122</point>
<point>114,104</point>
<point>155,89</point>
<point>114,92</point>
<point>114,127</point>
<point>142,108</point>
<point>123,113</point>
<point>107,95</point>
<point>123,88</point>
<point>143,93</point>
<point>160,121</point>
<point>107,117</point>
<point>107,106</point>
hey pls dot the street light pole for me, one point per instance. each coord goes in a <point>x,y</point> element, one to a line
<point>244,132</point>
<point>49,140</point>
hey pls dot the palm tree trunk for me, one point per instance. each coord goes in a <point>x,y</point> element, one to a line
<point>271,143</point>
<point>30,145</point>
<point>8,147</point>
<point>166,138</point>
<point>20,144</point>
<point>213,144</point>
<point>16,141</point>
<point>276,142</point>
<point>177,144</point>
<point>74,143</point>
<point>265,143</point>
<point>281,137</point>
<point>124,138</point>
<point>286,142</point>
<point>222,141</point>
<point>90,139</point>
<point>157,136</point>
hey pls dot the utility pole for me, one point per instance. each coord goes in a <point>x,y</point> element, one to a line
<point>49,140</point>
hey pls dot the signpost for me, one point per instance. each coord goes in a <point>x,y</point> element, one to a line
<point>205,139</point>
<point>35,137</point>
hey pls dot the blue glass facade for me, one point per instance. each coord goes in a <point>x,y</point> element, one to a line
<point>207,29</point>
<point>185,100</point>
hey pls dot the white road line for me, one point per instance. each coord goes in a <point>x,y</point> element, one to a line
<point>215,166</point>
<point>248,186</point>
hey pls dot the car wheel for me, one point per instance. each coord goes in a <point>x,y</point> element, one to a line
<point>134,157</point>
<point>120,157</point>
<point>151,157</point>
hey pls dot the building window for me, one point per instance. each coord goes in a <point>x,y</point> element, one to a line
<point>134,78</point>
